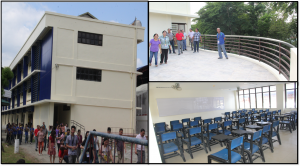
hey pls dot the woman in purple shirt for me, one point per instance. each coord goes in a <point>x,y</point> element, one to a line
<point>154,45</point>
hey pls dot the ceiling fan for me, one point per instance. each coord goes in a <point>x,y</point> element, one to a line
<point>176,87</point>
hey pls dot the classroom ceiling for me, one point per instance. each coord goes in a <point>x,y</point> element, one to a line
<point>212,85</point>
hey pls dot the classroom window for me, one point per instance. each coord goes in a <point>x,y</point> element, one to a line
<point>88,74</point>
<point>291,95</point>
<point>90,38</point>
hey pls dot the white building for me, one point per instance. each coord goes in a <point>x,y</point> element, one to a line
<point>173,15</point>
<point>76,69</point>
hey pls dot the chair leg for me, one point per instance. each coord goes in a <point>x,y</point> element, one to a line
<point>208,142</point>
<point>204,147</point>
<point>221,144</point>
<point>209,159</point>
<point>262,154</point>
<point>181,152</point>
<point>278,138</point>
<point>249,156</point>
<point>190,151</point>
<point>271,145</point>
<point>290,127</point>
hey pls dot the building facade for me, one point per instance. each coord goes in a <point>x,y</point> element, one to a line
<point>76,69</point>
<point>173,15</point>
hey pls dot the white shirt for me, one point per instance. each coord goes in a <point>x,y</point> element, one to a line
<point>191,34</point>
<point>96,142</point>
<point>139,146</point>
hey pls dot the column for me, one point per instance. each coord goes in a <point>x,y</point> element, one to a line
<point>280,97</point>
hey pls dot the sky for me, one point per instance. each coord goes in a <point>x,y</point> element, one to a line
<point>19,19</point>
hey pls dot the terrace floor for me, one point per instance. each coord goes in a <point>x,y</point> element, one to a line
<point>205,66</point>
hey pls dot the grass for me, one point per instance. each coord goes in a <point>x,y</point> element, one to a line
<point>9,157</point>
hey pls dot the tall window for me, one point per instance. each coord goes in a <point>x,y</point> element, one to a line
<point>246,98</point>
<point>266,97</point>
<point>90,38</point>
<point>273,97</point>
<point>291,95</point>
<point>259,97</point>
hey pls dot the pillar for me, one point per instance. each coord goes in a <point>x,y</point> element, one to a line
<point>280,97</point>
<point>26,118</point>
<point>293,64</point>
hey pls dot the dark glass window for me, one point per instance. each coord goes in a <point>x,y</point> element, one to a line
<point>90,38</point>
<point>88,74</point>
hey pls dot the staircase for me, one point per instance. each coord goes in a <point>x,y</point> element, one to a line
<point>78,126</point>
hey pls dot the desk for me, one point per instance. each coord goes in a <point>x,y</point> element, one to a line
<point>254,127</point>
<point>263,123</point>
<point>222,137</point>
<point>241,132</point>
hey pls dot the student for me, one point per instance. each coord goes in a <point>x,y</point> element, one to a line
<point>60,139</point>
<point>79,137</point>
<point>71,143</point>
<point>155,46</point>
<point>66,127</point>
<point>41,138</point>
<point>44,125</point>
<point>31,133</point>
<point>20,131</point>
<point>109,132</point>
<point>48,135</point>
<point>36,136</point>
<point>105,154</point>
<point>89,152</point>
<point>63,154</point>
<point>51,148</point>
<point>45,136</point>
<point>97,146</point>
<point>63,129</point>
<point>179,36</point>
<point>65,138</point>
<point>120,147</point>
<point>139,149</point>
<point>191,35</point>
<point>57,131</point>
<point>26,133</point>
<point>15,131</point>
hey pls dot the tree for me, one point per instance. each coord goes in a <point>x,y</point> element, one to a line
<point>7,74</point>
<point>264,24</point>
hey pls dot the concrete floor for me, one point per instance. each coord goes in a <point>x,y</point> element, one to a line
<point>205,66</point>
<point>284,153</point>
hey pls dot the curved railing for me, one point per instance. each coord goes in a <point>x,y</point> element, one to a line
<point>275,53</point>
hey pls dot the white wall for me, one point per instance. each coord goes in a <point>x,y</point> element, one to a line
<point>174,7</point>
<point>43,113</point>
<point>229,98</point>
<point>294,64</point>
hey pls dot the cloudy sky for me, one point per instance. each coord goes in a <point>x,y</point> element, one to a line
<point>19,20</point>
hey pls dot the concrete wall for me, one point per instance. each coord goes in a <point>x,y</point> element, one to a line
<point>43,113</point>
<point>229,98</point>
<point>175,7</point>
<point>293,64</point>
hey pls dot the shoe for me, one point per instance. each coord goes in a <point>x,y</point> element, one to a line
<point>155,65</point>
<point>197,51</point>
<point>194,52</point>
<point>227,58</point>
<point>220,58</point>
<point>181,52</point>
<point>35,149</point>
<point>160,63</point>
<point>178,54</point>
<point>165,62</point>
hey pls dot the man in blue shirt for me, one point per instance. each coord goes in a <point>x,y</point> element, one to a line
<point>20,131</point>
<point>15,130</point>
<point>221,40</point>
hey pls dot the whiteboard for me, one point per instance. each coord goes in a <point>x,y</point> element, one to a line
<point>178,106</point>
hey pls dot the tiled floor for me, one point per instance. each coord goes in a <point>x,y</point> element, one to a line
<point>284,153</point>
<point>205,66</point>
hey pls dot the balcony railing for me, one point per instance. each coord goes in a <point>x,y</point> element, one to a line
<point>275,53</point>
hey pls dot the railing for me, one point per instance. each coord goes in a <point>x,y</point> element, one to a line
<point>126,131</point>
<point>275,53</point>
<point>78,125</point>
<point>114,137</point>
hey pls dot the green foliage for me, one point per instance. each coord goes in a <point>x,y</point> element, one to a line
<point>7,74</point>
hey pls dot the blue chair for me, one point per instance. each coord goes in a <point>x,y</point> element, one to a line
<point>261,111</point>
<point>206,121</point>
<point>279,112</point>
<point>174,122</point>
<point>249,117</point>
<point>267,110</point>
<point>263,117</point>
<point>254,146</point>
<point>217,119</point>
<point>287,123</point>
<point>234,115</point>
<point>227,155</point>
<point>267,138</point>
<point>275,132</point>
<point>240,125</point>
<point>239,113</point>
<point>225,126</point>
<point>179,130</point>
<point>197,119</point>
<point>227,114</point>
<point>255,112</point>
<point>209,133</point>
<point>269,117</point>
<point>172,147</point>
<point>158,131</point>
<point>195,138</point>
<point>194,123</point>
<point>187,121</point>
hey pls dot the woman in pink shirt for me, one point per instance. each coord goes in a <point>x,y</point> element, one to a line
<point>41,137</point>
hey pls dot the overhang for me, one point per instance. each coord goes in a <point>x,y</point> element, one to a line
<point>174,14</point>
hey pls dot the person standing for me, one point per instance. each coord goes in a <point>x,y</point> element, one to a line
<point>26,133</point>
<point>51,148</point>
<point>155,46</point>
<point>96,141</point>
<point>191,34</point>
<point>196,38</point>
<point>63,129</point>
<point>44,125</point>
<point>139,149</point>
<point>179,37</point>
<point>88,157</point>
<point>79,137</point>
<point>59,139</point>
<point>120,147</point>
<point>184,40</point>
<point>165,45</point>
<point>36,136</point>
<point>109,132</point>
<point>31,133</point>
<point>72,143</point>
<point>41,137</point>
<point>20,130</point>
<point>171,37</point>
<point>15,131</point>
<point>65,138</point>
<point>45,136</point>
<point>66,127</point>
<point>106,156</point>
<point>221,40</point>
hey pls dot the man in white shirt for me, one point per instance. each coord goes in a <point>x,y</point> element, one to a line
<point>140,149</point>
<point>191,34</point>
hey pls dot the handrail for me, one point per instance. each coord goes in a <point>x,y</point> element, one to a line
<point>78,125</point>
<point>274,53</point>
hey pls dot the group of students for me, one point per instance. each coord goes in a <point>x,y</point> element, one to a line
<point>166,42</point>
<point>69,146</point>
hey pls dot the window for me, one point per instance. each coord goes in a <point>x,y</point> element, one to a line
<point>259,98</point>
<point>252,98</point>
<point>88,74</point>
<point>291,95</point>
<point>90,38</point>
<point>241,99</point>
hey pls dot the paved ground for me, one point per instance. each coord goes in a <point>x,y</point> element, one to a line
<point>44,158</point>
<point>205,66</point>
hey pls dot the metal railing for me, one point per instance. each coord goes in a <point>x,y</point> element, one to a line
<point>78,125</point>
<point>114,137</point>
<point>275,53</point>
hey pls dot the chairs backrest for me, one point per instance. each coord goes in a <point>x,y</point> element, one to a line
<point>237,142</point>
<point>186,120</point>
<point>158,129</point>
<point>195,130</point>
<point>242,114</point>
<point>168,136</point>
<point>275,123</point>
<point>174,122</point>
<point>213,126</point>
<point>255,112</point>
<point>227,113</point>
<point>206,121</point>
<point>256,135</point>
<point>177,127</point>
<point>253,109</point>
<point>266,128</point>
<point>194,123</point>
<point>279,112</point>
<point>242,120</point>
<point>227,123</point>
<point>197,119</point>
<point>261,111</point>
<point>240,111</point>
<point>267,110</point>
<point>160,124</point>
<point>217,119</point>
<point>233,112</point>
<point>274,112</point>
